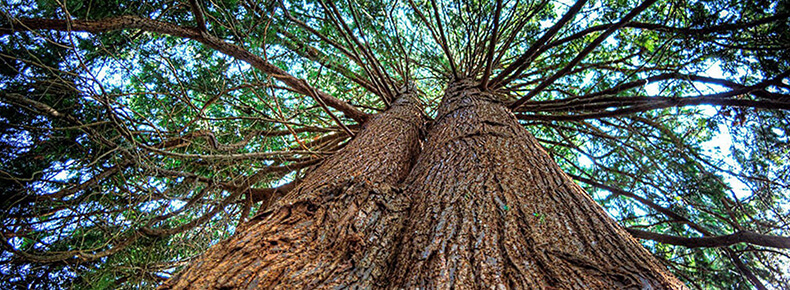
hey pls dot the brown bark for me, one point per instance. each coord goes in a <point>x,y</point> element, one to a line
<point>489,209</point>
<point>337,228</point>
<point>492,209</point>
<point>715,241</point>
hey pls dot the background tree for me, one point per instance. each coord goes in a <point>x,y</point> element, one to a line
<point>137,134</point>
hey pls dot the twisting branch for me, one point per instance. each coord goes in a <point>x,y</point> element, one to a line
<point>649,103</point>
<point>709,241</point>
<point>237,156</point>
<point>75,256</point>
<point>608,99</point>
<point>668,213</point>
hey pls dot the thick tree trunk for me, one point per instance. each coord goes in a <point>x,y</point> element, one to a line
<point>337,228</point>
<point>492,209</point>
<point>489,208</point>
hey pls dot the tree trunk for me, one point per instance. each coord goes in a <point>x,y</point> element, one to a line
<point>492,209</point>
<point>338,227</point>
<point>484,206</point>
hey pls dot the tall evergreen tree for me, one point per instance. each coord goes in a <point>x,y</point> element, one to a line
<point>395,144</point>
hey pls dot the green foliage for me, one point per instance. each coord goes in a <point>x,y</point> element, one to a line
<point>138,171</point>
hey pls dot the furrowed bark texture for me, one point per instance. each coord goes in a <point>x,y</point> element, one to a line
<point>337,228</point>
<point>492,210</point>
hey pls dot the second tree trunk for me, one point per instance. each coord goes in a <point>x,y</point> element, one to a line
<point>492,209</point>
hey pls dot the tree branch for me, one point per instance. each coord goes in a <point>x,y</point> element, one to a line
<point>436,38</point>
<point>522,62</point>
<point>637,104</point>
<point>748,237</point>
<point>134,22</point>
<point>680,30</point>
<point>587,50</point>
<point>491,47</point>
<point>198,14</point>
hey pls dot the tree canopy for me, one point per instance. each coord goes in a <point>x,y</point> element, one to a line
<point>135,134</point>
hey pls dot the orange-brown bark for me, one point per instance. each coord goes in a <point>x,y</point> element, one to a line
<point>337,228</point>
<point>485,206</point>
<point>493,210</point>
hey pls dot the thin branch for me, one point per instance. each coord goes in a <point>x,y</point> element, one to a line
<point>445,44</point>
<point>643,103</point>
<point>508,43</point>
<point>491,47</point>
<point>374,70</point>
<point>134,22</point>
<point>520,64</point>
<point>679,30</point>
<point>587,50</point>
<point>237,156</point>
<point>744,269</point>
<point>436,38</point>
<point>660,103</point>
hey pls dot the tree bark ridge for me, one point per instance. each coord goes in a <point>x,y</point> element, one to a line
<point>337,228</point>
<point>492,209</point>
